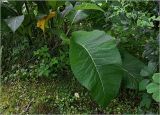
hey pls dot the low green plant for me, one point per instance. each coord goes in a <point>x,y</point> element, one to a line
<point>148,73</point>
<point>154,87</point>
<point>45,63</point>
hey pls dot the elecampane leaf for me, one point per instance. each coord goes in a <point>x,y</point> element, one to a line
<point>95,62</point>
<point>132,67</point>
<point>75,16</point>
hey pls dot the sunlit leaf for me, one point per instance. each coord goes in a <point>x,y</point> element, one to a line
<point>156,78</point>
<point>152,87</point>
<point>14,22</point>
<point>88,6</point>
<point>75,16</point>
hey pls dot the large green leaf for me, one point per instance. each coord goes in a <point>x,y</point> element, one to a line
<point>148,70</point>
<point>88,6</point>
<point>95,62</point>
<point>68,8</point>
<point>55,3</point>
<point>14,22</point>
<point>75,16</point>
<point>132,67</point>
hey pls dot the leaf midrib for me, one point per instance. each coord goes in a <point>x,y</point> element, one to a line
<point>95,67</point>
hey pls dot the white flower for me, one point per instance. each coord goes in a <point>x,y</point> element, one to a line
<point>76,95</point>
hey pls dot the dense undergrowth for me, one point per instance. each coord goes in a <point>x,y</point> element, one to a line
<point>38,75</point>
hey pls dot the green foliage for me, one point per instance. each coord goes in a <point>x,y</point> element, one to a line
<point>45,63</point>
<point>102,64</point>
<point>146,101</point>
<point>95,61</point>
<point>154,87</point>
<point>76,16</point>
<point>156,77</point>
<point>55,4</point>
<point>88,6</point>
<point>131,70</point>
<point>9,10</point>
<point>143,84</point>
<point>148,70</point>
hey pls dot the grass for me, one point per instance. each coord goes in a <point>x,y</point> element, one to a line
<point>61,96</point>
